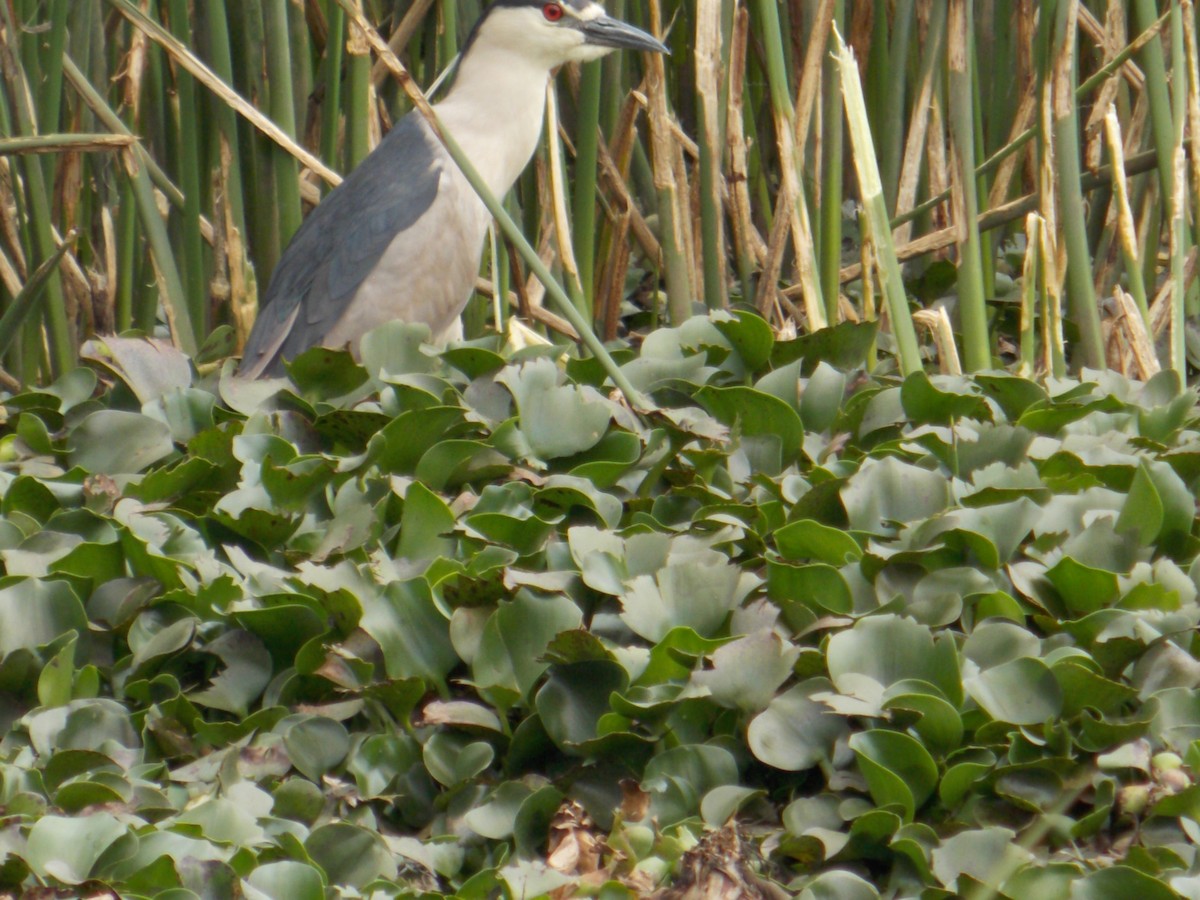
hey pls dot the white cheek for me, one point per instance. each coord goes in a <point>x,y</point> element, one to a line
<point>589,52</point>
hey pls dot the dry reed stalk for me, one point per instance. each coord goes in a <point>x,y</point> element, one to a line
<point>910,168</point>
<point>751,252</point>
<point>558,194</point>
<point>1130,324</point>
<point>937,323</point>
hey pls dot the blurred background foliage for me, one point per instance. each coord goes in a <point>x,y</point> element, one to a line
<point>156,155</point>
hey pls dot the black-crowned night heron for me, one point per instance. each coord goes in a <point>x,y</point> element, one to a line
<point>402,236</point>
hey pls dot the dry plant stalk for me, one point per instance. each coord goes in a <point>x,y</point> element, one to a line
<point>937,323</point>
<point>1129,324</point>
<point>558,192</point>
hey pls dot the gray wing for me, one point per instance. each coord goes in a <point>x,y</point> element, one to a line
<point>339,244</point>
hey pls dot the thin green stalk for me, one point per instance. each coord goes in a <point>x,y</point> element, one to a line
<point>49,114</point>
<point>891,137</point>
<point>127,244</point>
<point>1081,294</point>
<point>587,155</point>
<point>1162,116</point>
<point>62,350</point>
<point>191,254</point>
<point>331,106</point>
<point>972,303</point>
<point>358,111</point>
<point>283,112</point>
<point>23,304</point>
<point>174,301</point>
<point>221,60</point>
<point>829,217</point>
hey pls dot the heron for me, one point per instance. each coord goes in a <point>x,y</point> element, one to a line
<point>402,237</point>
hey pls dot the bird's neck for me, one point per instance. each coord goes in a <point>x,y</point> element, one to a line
<point>495,112</point>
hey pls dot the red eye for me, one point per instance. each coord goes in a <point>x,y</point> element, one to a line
<point>552,11</point>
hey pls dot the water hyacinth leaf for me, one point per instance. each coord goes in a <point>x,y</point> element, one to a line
<point>349,854</point>
<point>811,540</point>
<point>534,818</point>
<point>746,673</point>
<point>796,732</point>
<point>516,636</point>
<point>574,698</point>
<point>410,435</point>
<point>112,442</point>
<point>820,587</point>
<point>496,818</point>
<point>899,771</point>
<point>889,490</point>
<point>453,758</point>
<point>1158,503</point>
<point>287,878</point>
<point>1020,692</point>
<point>942,399</point>
<point>246,672</point>
<point>426,523</point>
<point>839,885</point>
<point>987,856</point>
<point>754,414</point>
<point>221,820</point>
<point>724,802</point>
<point>316,745</point>
<point>695,591</point>
<point>412,632</point>
<point>395,349</point>
<point>34,612</point>
<point>843,346</point>
<point>1084,589</point>
<point>888,649</point>
<point>822,398</point>
<point>558,420</point>
<point>750,336</point>
<point>57,678</point>
<point>149,367</point>
<point>935,721</point>
<point>1121,881</point>
<point>679,778</point>
<point>67,849</point>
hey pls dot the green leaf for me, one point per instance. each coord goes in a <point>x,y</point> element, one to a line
<point>34,612</point>
<point>67,849</point>
<point>558,420</point>
<point>111,442</point>
<point>887,491</point>
<point>412,632</point>
<point>349,854</point>
<point>575,697</point>
<point>1020,692</point>
<point>316,745</point>
<point>810,540</point>
<point>899,771</point>
<point>796,732</point>
<point>294,880</point>
<point>746,673</point>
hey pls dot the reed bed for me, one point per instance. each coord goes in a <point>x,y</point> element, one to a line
<point>1001,183</point>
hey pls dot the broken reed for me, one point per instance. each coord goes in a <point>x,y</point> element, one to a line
<point>721,176</point>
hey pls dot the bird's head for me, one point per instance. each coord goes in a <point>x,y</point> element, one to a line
<point>559,31</point>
